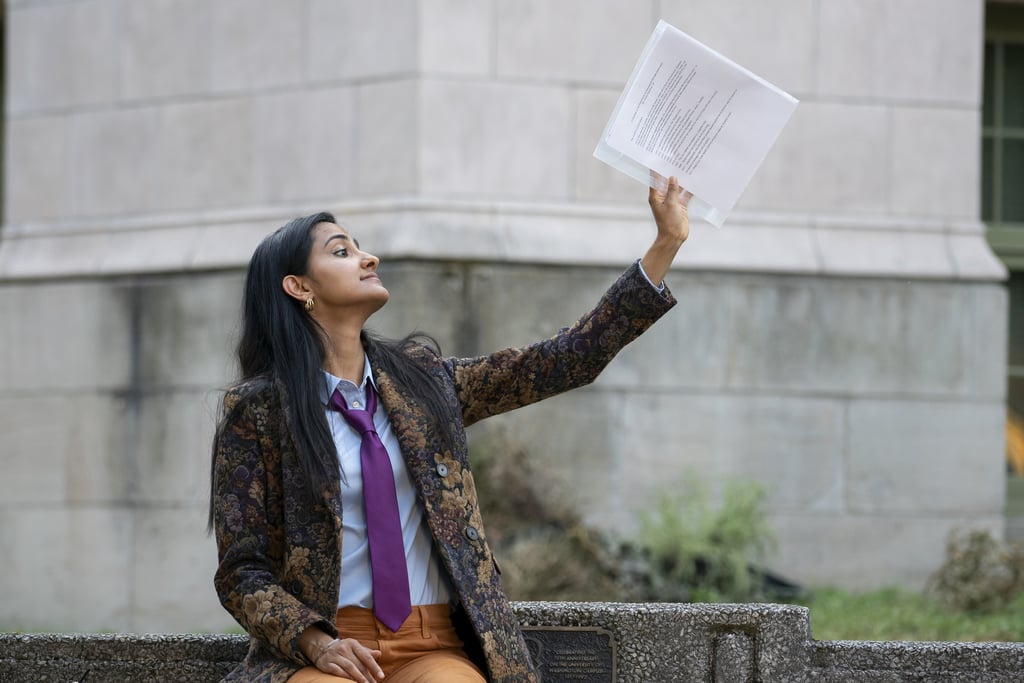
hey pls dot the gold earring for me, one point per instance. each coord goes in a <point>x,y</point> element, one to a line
<point>309,304</point>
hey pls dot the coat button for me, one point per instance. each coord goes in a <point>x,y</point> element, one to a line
<point>442,469</point>
<point>472,534</point>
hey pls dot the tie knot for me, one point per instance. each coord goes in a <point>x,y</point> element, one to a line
<point>360,420</point>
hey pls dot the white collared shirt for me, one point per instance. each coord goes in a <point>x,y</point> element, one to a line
<point>428,583</point>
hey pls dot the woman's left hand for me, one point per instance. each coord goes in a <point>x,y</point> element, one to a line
<point>671,213</point>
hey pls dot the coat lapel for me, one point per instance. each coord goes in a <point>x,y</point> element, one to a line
<point>412,430</point>
<point>425,459</point>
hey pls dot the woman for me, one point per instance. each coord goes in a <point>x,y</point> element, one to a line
<point>303,554</point>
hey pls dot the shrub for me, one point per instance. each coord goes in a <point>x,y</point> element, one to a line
<point>685,551</point>
<point>545,550</point>
<point>701,553</point>
<point>979,573</point>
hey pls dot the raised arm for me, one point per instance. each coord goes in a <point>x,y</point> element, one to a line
<point>672,217</point>
<point>515,377</point>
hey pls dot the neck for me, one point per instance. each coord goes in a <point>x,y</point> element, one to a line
<point>344,352</point>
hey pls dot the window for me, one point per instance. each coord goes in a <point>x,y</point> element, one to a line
<point>3,100</point>
<point>1002,209</point>
<point>1002,136</point>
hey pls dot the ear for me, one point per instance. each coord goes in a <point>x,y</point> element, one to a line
<point>296,287</point>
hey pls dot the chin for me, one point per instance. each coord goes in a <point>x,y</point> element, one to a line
<point>384,297</point>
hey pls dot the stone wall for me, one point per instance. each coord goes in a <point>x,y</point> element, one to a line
<point>650,643</point>
<point>841,339</point>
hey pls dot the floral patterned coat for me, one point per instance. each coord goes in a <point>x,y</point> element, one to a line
<point>280,556</point>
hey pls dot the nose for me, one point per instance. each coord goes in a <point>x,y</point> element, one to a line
<point>371,261</point>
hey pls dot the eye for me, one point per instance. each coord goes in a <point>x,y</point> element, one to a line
<point>342,251</point>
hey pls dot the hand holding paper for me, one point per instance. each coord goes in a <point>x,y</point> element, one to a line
<point>669,207</point>
<point>691,113</point>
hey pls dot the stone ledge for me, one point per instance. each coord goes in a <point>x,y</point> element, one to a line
<point>117,658</point>
<point>718,643</point>
<point>870,661</point>
<point>546,233</point>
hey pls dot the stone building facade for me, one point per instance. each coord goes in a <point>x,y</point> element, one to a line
<point>841,339</point>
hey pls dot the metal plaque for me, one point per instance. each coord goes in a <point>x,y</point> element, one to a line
<point>572,654</point>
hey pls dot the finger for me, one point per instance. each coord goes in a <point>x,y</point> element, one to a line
<point>687,196</point>
<point>347,663</point>
<point>659,185</point>
<point>364,659</point>
<point>356,650</point>
<point>357,673</point>
<point>343,669</point>
<point>653,196</point>
<point>369,658</point>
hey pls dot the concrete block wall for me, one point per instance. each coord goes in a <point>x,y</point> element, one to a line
<point>632,643</point>
<point>108,397</point>
<point>837,394</point>
<point>841,339</point>
<point>493,107</point>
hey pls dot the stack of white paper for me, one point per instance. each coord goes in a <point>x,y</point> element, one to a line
<point>689,112</point>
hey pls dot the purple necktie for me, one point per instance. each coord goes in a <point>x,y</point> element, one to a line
<point>391,603</point>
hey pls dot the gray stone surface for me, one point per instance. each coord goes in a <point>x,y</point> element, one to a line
<point>151,61</point>
<point>887,662</point>
<point>734,657</point>
<point>501,101</point>
<point>892,445</point>
<point>66,565</point>
<point>64,337</point>
<point>926,154</point>
<point>116,162</point>
<point>842,549</point>
<point>347,39</point>
<point>66,71</point>
<point>114,658</point>
<point>193,132</point>
<point>654,643</point>
<point>456,36</point>
<point>737,30</point>
<point>465,147</point>
<point>388,114</point>
<point>247,45</point>
<point>294,137</point>
<point>39,148</point>
<point>673,642</point>
<point>174,536</point>
<point>186,329</point>
<point>905,50</point>
<point>596,182</point>
<point>601,47</point>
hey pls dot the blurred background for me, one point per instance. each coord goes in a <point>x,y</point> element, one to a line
<point>851,341</point>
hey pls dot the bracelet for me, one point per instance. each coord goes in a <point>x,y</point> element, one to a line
<point>322,650</point>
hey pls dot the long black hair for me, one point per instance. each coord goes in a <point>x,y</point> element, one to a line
<point>282,344</point>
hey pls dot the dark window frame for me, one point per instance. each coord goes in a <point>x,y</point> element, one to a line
<point>1004,26</point>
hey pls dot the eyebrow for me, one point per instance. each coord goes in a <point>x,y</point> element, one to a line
<point>341,236</point>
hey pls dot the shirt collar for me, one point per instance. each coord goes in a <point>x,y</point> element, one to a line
<point>331,382</point>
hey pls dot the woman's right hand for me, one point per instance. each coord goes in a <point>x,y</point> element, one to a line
<point>348,658</point>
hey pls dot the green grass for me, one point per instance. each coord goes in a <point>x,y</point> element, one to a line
<point>894,614</point>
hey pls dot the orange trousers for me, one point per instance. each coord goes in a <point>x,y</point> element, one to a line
<point>425,649</point>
